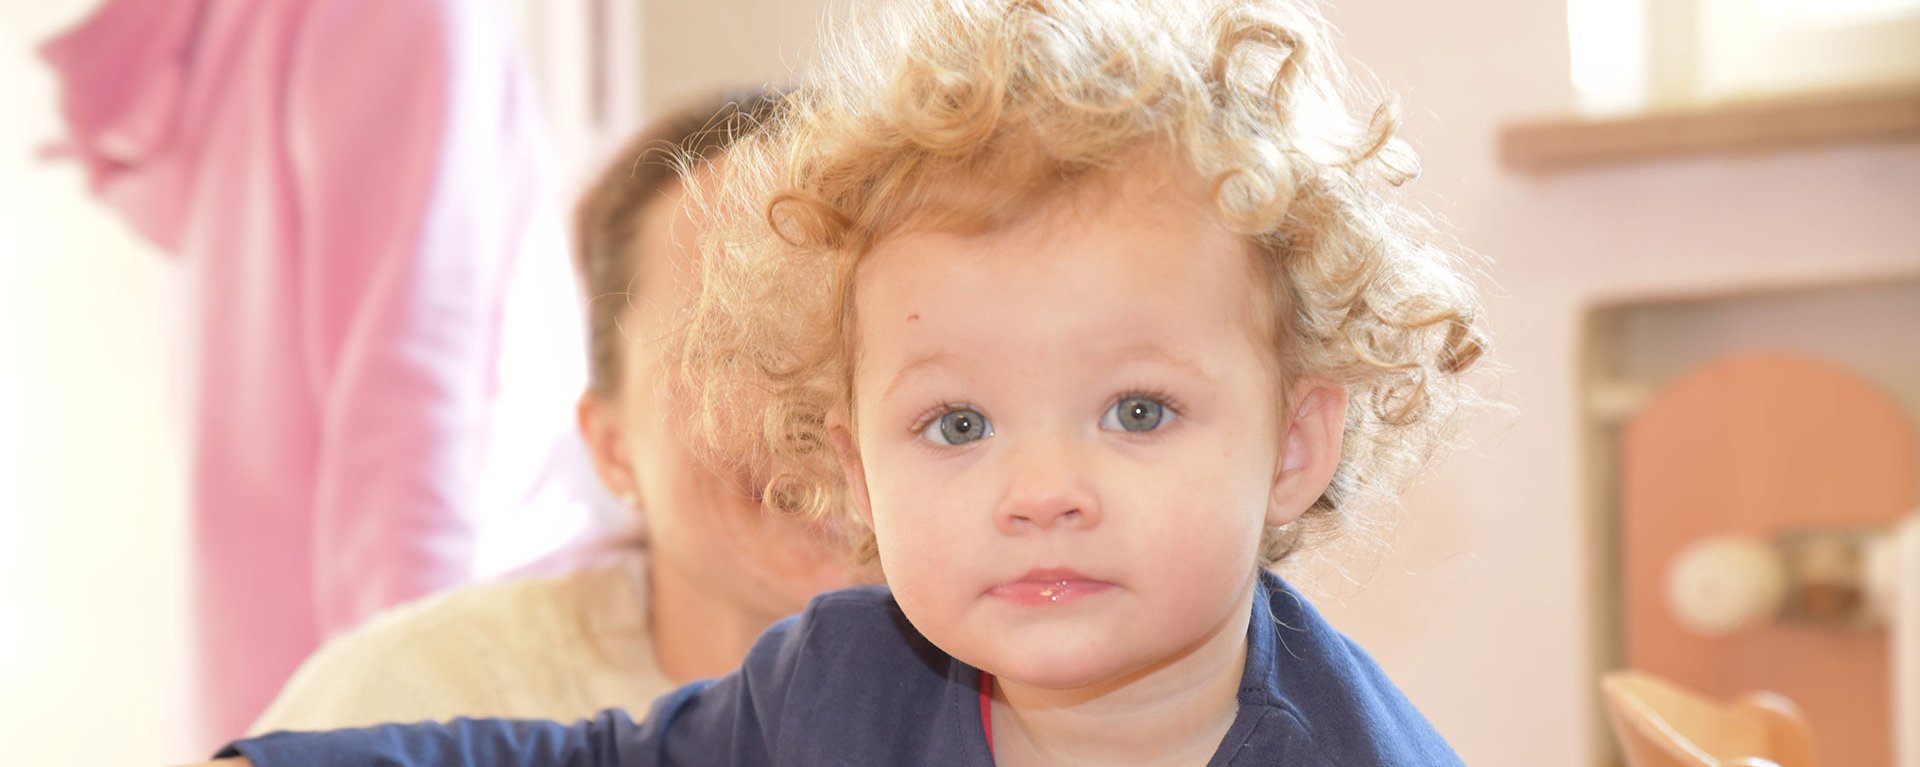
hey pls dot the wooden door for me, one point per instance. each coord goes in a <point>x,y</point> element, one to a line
<point>1760,445</point>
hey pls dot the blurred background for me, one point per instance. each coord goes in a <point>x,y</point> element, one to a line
<point>1687,207</point>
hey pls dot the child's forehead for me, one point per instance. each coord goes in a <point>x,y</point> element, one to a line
<point>1150,196</point>
<point>1134,260</point>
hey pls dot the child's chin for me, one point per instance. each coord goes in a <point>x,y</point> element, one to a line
<point>1060,670</point>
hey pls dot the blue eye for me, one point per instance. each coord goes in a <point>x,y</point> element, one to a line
<point>1135,414</point>
<point>958,427</point>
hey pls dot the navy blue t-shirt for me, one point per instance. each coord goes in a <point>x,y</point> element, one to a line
<point>850,682</point>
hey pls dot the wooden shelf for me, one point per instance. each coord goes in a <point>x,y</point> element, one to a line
<point>1555,145</point>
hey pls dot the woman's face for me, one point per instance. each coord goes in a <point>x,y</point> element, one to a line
<point>706,525</point>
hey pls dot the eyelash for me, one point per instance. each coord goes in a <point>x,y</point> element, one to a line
<point>932,414</point>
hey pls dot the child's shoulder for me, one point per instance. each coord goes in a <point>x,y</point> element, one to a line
<point>847,681</point>
<point>857,613</point>
<point>855,600</point>
<point>1324,688</point>
<point>857,638</point>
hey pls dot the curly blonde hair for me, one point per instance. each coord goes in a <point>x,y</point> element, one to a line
<point>963,113</point>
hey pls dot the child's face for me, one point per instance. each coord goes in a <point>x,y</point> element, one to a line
<point>1066,429</point>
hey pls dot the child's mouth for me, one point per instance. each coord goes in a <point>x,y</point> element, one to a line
<point>1048,586</point>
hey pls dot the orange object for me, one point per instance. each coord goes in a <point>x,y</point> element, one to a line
<point>1661,725</point>
<point>1759,446</point>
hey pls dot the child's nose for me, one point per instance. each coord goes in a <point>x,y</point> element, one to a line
<point>1048,489</point>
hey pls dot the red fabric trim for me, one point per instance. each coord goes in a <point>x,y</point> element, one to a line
<point>986,707</point>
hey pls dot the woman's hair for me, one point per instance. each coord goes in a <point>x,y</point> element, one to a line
<point>961,114</point>
<point>607,219</point>
<point>606,225</point>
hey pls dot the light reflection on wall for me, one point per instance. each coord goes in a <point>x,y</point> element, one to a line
<point>1631,55</point>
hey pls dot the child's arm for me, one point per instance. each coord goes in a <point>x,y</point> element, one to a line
<point>608,739</point>
<point>733,720</point>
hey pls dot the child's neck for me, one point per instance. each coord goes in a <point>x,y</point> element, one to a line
<point>1173,713</point>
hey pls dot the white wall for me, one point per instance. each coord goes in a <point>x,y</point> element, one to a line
<point>92,514</point>
<point>691,48</point>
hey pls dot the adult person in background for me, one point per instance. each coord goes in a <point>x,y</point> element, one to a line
<point>682,602</point>
<point>349,186</point>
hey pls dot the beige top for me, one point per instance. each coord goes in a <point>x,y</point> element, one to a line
<point>557,648</point>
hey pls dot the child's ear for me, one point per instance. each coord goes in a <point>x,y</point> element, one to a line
<point>606,444</point>
<point>1310,449</point>
<point>841,435</point>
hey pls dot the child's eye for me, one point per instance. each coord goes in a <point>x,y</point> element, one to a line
<point>958,427</point>
<point>1136,414</point>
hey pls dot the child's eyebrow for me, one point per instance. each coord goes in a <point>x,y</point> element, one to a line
<point>1142,352</point>
<point>919,366</point>
<point>1156,353</point>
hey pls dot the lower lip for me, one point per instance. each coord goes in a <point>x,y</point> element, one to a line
<point>1055,592</point>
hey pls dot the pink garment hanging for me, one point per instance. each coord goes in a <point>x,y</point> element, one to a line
<point>348,184</point>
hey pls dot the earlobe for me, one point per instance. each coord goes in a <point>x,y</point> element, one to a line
<point>1309,450</point>
<point>851,467</point>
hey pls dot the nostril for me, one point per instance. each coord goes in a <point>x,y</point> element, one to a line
<point>1046,513</point>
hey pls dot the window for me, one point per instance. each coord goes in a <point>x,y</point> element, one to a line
<point>1629,55</point>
